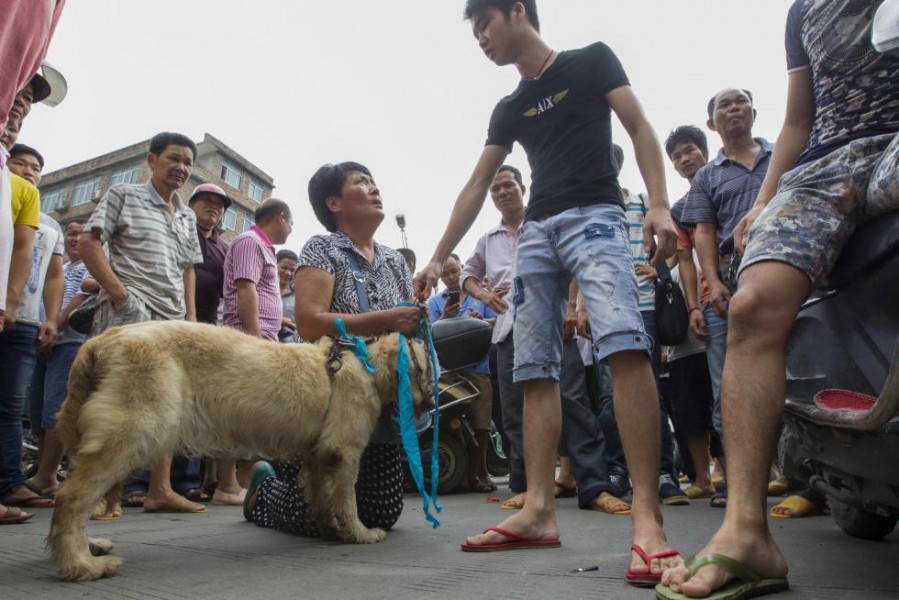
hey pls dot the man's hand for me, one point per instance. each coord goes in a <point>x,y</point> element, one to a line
<point>46,337</point>
<point>493,299</point>
<point>450,310</point>
<point>741,231</point>
<point>646,271</point>
<point>583,323</point>
<point>569,325</point>
<point>720,296</point>
<point>403,319</point>
<point>657,223</point>
<point>426,279</point>
<point>119,298</point>
<point>9,317</point>
<point>698,325</point>
<point>286,322</point>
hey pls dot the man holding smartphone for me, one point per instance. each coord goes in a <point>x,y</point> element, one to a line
<point>448,304</point>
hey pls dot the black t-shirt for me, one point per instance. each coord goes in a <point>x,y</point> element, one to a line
<point>564,124</point>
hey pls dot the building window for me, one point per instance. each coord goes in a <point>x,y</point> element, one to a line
<point>230,219</point>
<point>127,175</point>
<point>248,221</point>
<point>86,191</point>
<point>255,191</point>
<point>231,175</point>
<point>52,201</point>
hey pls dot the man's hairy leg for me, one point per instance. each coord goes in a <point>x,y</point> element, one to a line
<point>753,391</point>
<point>542,425</point>
<point>636,404</point>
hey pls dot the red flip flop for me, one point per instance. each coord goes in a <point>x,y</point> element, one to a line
<point>514,542</point>
<point>645,577</point>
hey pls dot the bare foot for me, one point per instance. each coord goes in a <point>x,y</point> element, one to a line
<point>756,551</point>
<point>653,541</point>
<point>521,523</point>
<point>157,503</point>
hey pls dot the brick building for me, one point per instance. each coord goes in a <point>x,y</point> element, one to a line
<point>74,191</point>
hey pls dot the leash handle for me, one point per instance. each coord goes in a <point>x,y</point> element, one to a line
<point>357,344</point>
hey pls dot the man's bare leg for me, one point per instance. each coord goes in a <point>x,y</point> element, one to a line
<point>753,391</point>
<point>160,493</point>
<point>542,426</point>
<point>51,453</point>
<point>698,447</point>
<point>636,404</point>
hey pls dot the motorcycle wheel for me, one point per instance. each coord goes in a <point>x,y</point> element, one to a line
<point>452,461</point>
<point>861,523</point>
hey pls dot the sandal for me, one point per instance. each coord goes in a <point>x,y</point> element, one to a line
<point>515,502</point>
<point>694,492</point>
<point>103,513</point>
<point>796,507</point>
<point>134,500</point>
<point>482,487</point>
<point>32,500</point>
<point>777,487</point>
<point>565,491</point>
<point>645,577</point>
<point>14,515</point>
<point>197,495</point>
<point>608,503</point>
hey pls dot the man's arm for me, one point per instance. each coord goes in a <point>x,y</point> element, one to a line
<point>248,306</point>
<point>791,141</point>
<point>689,282</point>
<point>465,211</point>
<point>100,269</point>
<point>190,294</point>
<point>707,249</point>
<point>569,325</point>
<point>657,221</point>
<point>54,288</point>
<point>19,269</point>
<point>315,288</point>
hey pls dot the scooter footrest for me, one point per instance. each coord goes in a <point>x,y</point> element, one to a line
<point>844,400</point>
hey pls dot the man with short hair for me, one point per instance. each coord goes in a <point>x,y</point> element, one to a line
<point>692,399</point>
<point>149,275</point>
<point>26,162</point>
<point>836,165</point>
<point>252,289</point>
<point>721,194</point>
<point>574,228</point>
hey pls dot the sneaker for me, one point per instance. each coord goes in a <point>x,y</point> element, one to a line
<point>670,493</point>
<point>623,484</point>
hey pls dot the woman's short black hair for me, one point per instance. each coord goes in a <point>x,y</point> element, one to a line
<point>327,182</point>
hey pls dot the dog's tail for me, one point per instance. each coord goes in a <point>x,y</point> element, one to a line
<point>83,379</point>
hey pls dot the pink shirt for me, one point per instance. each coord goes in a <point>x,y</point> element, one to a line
<point>495,257</point>
<point>252,257</point>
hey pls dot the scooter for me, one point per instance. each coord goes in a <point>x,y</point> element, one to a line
<point>459,343</point>
<point>842,406</point>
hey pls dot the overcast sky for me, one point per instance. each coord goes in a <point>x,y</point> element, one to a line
<point>398,85</point>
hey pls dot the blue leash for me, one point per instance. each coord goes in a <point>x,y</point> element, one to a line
<point>408,432</point>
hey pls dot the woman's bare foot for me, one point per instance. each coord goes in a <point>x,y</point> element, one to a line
<point>521,523</point>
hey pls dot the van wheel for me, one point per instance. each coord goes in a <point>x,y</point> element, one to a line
<point>861,523</point>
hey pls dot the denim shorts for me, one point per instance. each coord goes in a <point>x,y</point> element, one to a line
<point>588,243</point>
<point>819,205</point>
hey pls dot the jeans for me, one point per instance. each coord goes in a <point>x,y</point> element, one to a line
<point>716,352</point>
<point>584,442</point>
<point>18,356</point>
<point>615,451</point>
<point>49,386</point>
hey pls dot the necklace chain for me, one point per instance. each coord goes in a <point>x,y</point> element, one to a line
<point>543,66</point>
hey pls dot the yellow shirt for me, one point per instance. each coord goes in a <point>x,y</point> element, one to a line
<point>26,202</point>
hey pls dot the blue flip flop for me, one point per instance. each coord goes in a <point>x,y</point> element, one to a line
<point>261,472</point>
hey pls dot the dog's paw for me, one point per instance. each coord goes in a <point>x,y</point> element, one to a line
<point>100,546</point>
<point>370,536</point>
<point>95,568</point>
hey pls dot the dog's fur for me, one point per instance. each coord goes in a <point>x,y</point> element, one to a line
<point>138,394</point>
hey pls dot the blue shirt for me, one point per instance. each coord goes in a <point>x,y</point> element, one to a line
<point>437,303</point>
<point>723,191</point>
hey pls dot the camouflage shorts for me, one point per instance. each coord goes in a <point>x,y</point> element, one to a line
<point>133,311</point>
<point>819,205</point>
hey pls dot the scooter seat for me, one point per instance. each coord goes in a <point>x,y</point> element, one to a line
<point>461,342</point>
<point>871,243</point>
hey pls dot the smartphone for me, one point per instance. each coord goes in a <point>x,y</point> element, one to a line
<point>452,297</point>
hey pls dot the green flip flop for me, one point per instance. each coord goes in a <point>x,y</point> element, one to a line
<point>746,585</point>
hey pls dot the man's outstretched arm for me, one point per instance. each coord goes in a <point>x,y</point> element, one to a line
<point>468,205</point>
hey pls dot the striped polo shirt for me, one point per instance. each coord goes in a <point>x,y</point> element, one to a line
<point>251,256</point>
<point>635,209</point>
<point>149,246</point>
<point>723,191</point>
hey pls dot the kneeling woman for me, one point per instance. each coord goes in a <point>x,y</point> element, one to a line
<point>348,203</point>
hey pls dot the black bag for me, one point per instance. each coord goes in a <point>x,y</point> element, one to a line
<point>672,318</point>
<point>82,318</point>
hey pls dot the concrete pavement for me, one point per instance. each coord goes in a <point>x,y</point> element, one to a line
<point>219,556</point>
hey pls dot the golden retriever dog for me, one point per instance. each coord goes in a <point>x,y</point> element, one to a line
<point>140,393</point>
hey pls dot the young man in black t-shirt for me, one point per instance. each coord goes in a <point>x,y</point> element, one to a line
<point>574,227</point>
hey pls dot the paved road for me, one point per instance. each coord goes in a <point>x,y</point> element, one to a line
<point>219,556</point>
